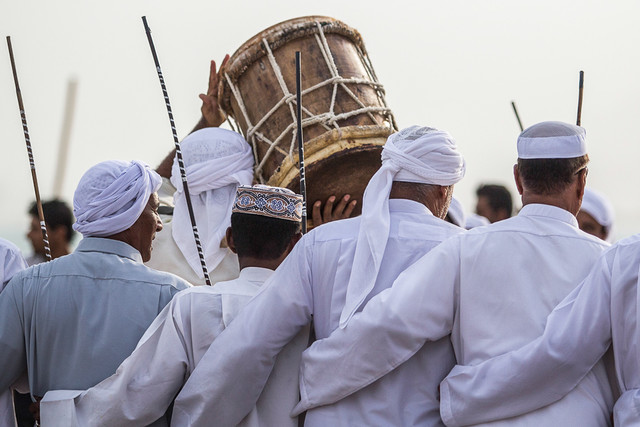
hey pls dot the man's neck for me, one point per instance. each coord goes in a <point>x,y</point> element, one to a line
<point>560,201</point>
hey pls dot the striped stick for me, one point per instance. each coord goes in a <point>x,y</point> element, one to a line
<point>303,184</point>
<point>32,163</point>
<point>183,172</point>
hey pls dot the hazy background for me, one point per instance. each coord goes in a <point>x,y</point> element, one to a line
<point>455,65</point>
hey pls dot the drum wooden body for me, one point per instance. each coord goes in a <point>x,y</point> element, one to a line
<point>345,118</point>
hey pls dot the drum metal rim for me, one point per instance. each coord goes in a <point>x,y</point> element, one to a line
<point>327,144</point>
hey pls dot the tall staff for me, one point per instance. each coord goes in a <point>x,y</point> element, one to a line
<point>515,110</point>
<point>32,163</point>
<point>580,90</point>
<point>303,185</point>
<point>183,172</point>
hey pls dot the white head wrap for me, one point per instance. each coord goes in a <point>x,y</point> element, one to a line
<point>111,196</point>
<point>474,220</point>
<point>216,161</point>
<point>456,212</point>
<point>416,154</point>
<point>552,140</point>
<point>598,206</point>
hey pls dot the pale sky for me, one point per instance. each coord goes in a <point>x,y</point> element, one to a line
<point>454,65</point>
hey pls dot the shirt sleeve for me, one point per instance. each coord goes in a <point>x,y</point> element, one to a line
<point>12,348</point>
<point>13,263</point>
<point>577,334</point>
<point>392,327</point>
<point>146,383</point>
<point>227,382</point>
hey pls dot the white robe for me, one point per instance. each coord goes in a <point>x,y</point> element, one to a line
<point>491,289</point>
<point>604,310</point>
<point>312,281</point>
<point>147,381</point>
<point>167,256</point>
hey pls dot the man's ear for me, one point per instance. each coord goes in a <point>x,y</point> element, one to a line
<point>518,179</point>
<point>581,183</point>
<point>230,242</point>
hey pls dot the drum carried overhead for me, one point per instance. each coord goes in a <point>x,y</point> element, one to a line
<point>345,118</point>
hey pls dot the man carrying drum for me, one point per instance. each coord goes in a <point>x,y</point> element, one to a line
<point>330,274</point>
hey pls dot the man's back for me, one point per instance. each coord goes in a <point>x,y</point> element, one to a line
<point>414,231</point>
<point>80,315</point>
<point>542,257</point>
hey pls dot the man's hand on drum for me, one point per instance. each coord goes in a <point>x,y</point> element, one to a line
<point>327,213</point>
<point>212,115</point>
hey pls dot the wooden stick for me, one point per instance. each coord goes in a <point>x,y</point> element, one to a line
<point>515,110</point>
<point>32,163</point>
<point>65,137</point>
<point>580,90</point>
<point>303,185</point>
<point>183,172</point>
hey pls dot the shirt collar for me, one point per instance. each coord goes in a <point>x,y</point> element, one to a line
<point>538,209</point>
<point>255,274</point>
<point>109,246</point>
<point>405,205</point>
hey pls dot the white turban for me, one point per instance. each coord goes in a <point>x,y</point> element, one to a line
<point>111,196</point>
<point>216,161</point>
<point>416,154</point>
<point>596,204</point>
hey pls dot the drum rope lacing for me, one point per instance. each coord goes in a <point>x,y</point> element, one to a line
<point>328,120</point>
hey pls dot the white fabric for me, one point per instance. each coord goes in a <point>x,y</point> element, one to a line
<point>598,206</point>
<point>167,256</point>
<point>474,220</point>
<point>415,154</point>
<point>552,140</point>
<point>147,381</point>
<point>491,288</point>
<point>111,196</point>
<point>11,261</point>
<point>312,281</point>
<point>456,212</point>
<point>604,310</point>
<point>216,162</point>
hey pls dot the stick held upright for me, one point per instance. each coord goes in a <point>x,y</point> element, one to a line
<point>32,163</point>
<point>515,110</point>
<point>580,91</point>
<point>303,184</point>
<point>183,172</point>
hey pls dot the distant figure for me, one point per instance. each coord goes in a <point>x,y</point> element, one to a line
<point>457,216</point>
<point>596,215</point>
<point>494,202</point>
<point>474,220</point>
<point>59,219</point>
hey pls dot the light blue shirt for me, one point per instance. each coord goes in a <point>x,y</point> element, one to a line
<point>71,322</point>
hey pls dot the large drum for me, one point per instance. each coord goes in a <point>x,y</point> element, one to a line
<point>345,118</point>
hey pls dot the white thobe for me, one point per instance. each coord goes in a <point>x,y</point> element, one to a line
<point>144,385</point>
<point>167,256</point>
<point>491,289</point>
<point>312,281</point>
<point>603,310</point>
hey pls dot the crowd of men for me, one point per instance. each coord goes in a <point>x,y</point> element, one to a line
<point>419,314</point>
